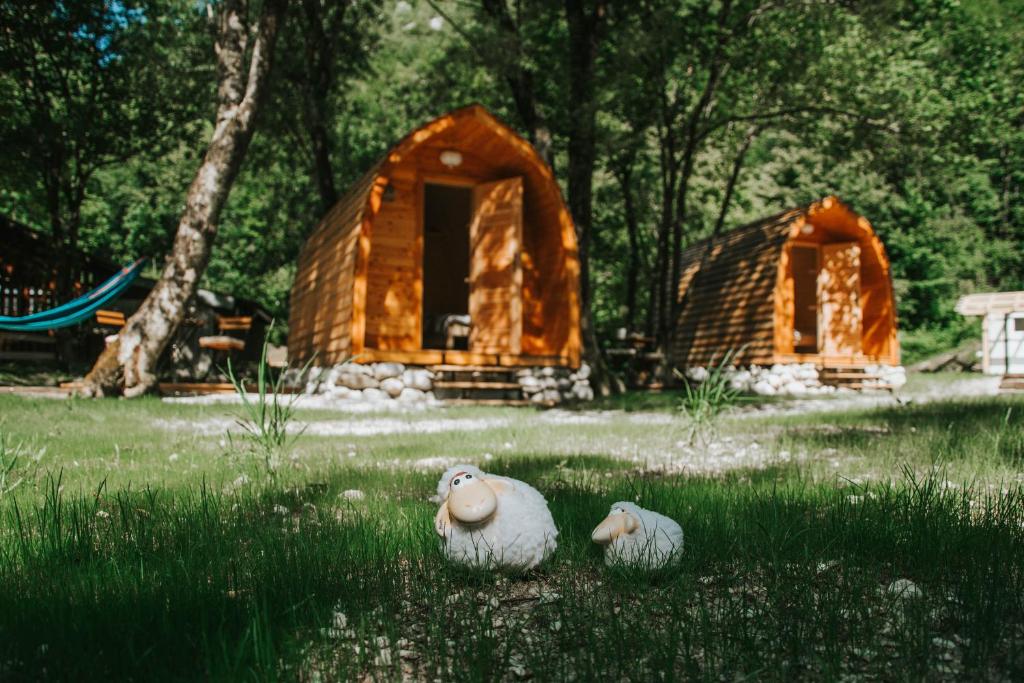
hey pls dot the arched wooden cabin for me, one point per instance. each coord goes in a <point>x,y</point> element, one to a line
<point>461,217</point>
<point>808,285</point>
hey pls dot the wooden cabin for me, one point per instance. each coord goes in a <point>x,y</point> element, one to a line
<point>809,285</point>
<point>455,248</point>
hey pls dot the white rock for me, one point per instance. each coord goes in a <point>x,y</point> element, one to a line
<point>697,373</point>
<point>388,370</point>
<point>528,382</point>
<point>764,388</point>
<point>552,395</point>
<point>410,395</point>
<point>374,395</point>
<point>794,389</point>
<point>357,380</point>
<point>341,392</point>
<point>392,386</point>
<point>549,383</point>
<point>538,397</point>
<point>418,379</point>
<point>581,391</point>
<point>583,372</point>
<point>547,372</point>
<point>352,494</point>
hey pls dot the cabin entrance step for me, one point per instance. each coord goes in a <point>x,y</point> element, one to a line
<point>477,385</point>
<point>1012,383</point>
<point>851,377</point>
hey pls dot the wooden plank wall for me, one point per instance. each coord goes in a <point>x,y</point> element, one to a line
<point>320,316</point>
<point>394,273</point>
<point>729,290</point>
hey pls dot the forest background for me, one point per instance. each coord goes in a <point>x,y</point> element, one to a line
<point>665,120</point>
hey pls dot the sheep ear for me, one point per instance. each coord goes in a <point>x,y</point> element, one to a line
<point>442,520</point>
<point>499,485</point>
<point>631,523</point>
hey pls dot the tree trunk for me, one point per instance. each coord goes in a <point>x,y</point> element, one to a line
<point>520,81</point>
<point>318,84</point>
<point>625,178</point>
<point>584,38</point>
<point>129,364</point>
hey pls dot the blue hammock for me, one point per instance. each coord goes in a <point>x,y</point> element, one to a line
<point>77,310</point>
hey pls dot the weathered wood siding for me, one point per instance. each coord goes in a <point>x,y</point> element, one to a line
<point>320,317</point>
<point>728,295</point>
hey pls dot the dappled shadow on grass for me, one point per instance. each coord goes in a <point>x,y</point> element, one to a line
<point>779,579</point>
<point>985,432</point>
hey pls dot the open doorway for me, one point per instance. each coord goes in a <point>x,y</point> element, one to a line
<point>805,298</point>
<point>447,212</point>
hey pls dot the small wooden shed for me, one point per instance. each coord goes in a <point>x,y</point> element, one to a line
<point>808,285</point>
<point>460,218</point>
<point>1002,329</point>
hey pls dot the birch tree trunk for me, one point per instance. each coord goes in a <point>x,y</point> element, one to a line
<point>128,365</point>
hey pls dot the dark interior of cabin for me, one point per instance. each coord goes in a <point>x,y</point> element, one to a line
<point>805,298</point>
<point>447,211</point>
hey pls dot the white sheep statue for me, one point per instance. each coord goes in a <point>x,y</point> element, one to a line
<point>490,521</point>
<point>635,537</point>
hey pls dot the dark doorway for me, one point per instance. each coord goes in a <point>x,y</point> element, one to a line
<point>805,298</point>
<point>447,211</point>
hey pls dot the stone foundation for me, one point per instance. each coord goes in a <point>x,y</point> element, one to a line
<point>395,382</point>
<point>796,379</point>
<point>555,385</point>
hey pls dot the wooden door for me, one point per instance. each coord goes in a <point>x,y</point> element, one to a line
<point>841,322</point>
<point>495,269</point>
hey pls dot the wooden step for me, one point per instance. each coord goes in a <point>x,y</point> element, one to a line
<point>471,368</point>
<point>1012,382</point>
<point>446,384</point>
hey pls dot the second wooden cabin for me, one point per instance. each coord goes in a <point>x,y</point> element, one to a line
<point>808,285</point>
<point>455,248</point>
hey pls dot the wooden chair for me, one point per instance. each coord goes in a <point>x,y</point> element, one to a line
<point>109,322</point>
<point>110,318</point>
<point>225,342</point>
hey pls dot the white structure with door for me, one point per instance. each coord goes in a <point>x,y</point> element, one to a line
<point>1002,329</point>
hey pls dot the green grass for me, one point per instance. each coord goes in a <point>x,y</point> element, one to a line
<point>120,561</point>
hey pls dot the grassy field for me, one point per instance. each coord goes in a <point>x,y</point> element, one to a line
<point>138,541</point>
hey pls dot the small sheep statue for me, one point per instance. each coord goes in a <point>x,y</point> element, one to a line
<point>635,537</point>
<point>491,521</point>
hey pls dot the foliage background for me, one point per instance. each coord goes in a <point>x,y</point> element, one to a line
<point>912,112</point>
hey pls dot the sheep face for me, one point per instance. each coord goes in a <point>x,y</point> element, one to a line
<point>617,523</point>
<point>471,500</point>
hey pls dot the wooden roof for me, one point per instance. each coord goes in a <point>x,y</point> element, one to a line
<point>991,302</point>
